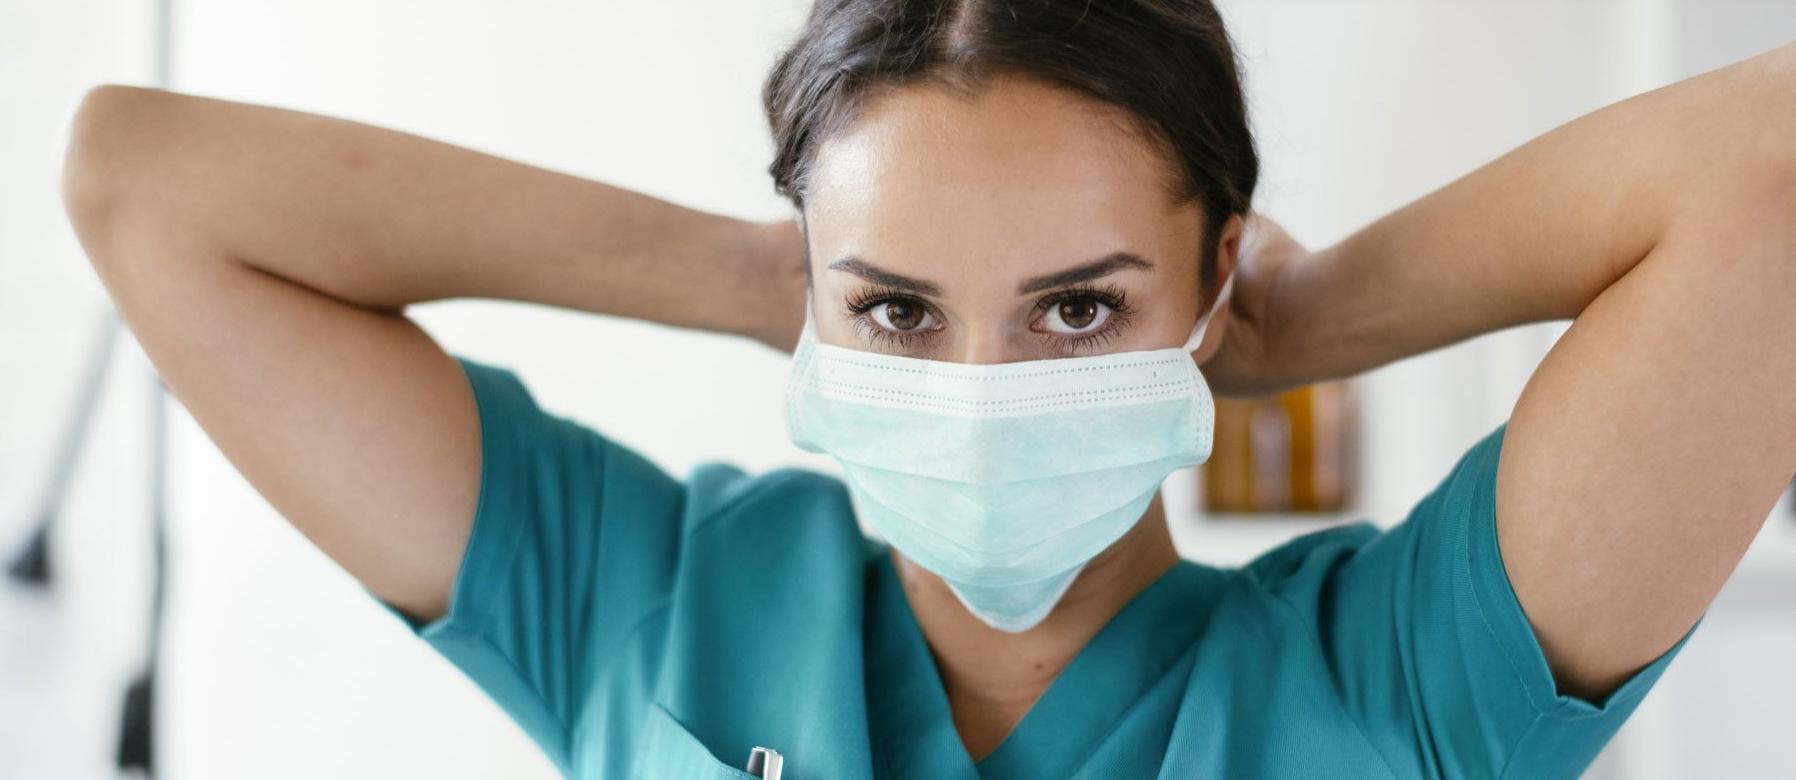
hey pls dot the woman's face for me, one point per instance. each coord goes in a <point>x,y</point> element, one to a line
<point>1028,224</point>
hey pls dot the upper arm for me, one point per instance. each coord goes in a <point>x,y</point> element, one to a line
<point>1648,448</point>
<point>353,424</point>
<point>351,421</point>
<point>1651,444</point>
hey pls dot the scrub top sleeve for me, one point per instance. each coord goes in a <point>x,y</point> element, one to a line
<point>1431,645</point>
<point>573,545</point>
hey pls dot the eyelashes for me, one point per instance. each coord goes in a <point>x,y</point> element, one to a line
<point>863,304</point>
<point>1109,296</point>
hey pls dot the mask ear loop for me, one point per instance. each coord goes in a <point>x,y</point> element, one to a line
<point>1203,323</point>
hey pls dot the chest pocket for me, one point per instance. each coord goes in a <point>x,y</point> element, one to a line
<point>666,749</point>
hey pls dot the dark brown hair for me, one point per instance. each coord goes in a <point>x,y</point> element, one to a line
<point>1169,64</point>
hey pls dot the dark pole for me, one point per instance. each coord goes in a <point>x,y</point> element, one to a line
<point>137,730</point>
<point>32,567</point>
<point>137,733</point>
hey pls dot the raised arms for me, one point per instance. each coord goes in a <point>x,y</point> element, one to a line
<point>264,257</point>
<point>1649,446</point>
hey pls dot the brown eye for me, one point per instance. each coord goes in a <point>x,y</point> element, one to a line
<point>902,316</point>
<point>1075,316</point>
<point>1078,314</point>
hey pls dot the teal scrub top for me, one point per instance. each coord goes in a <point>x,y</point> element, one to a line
<point>640,626</point>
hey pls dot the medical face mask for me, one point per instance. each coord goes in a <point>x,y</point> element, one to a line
<point>1003,479</point>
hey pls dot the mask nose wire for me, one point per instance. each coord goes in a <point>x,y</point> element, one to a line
<point>1203,323</point>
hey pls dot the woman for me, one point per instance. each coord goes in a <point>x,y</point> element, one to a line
<point>1005,211</point>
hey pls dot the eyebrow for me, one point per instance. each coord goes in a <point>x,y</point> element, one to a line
<point>1103,266</point>
<point>877,275</point>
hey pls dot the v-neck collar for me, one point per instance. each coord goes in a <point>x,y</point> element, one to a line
<point>907,711</point>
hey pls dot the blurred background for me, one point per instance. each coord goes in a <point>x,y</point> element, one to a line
<point>274,664</point>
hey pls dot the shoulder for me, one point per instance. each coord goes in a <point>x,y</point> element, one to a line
<point>572,466</point>
<point>1467,488</point>
<point>1309,563</point>
<point>800,518</point>
<point>719,491</point>
<point>1308,556</point>
<point>1286,586</point>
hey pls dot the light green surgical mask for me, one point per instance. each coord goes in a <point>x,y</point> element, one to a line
<point>1003,479</point>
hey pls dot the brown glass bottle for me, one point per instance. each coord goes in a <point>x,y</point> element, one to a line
<point>1292,452</point>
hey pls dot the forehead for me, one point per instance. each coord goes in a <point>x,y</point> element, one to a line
<point>1019,170</point>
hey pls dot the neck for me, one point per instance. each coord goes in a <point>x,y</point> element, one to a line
<point>992,677</point>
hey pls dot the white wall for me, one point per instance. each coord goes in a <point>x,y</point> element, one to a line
<point>58,718</point>
<point>278,665</point>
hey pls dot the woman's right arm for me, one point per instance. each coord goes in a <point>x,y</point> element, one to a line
<point>263,257</point>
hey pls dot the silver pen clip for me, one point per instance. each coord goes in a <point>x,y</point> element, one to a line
<point>765,763</point>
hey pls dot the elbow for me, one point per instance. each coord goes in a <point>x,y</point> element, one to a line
<point>98,162</point>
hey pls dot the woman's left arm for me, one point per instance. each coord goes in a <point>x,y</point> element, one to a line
<point>1652,442</point>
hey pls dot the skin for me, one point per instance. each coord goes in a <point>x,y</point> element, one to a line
<point>264,257</point>
<point>940,238</point>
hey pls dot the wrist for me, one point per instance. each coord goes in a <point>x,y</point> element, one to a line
<point>1300,327</point>
<point>1336,317</point>
<point>770,270</point>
